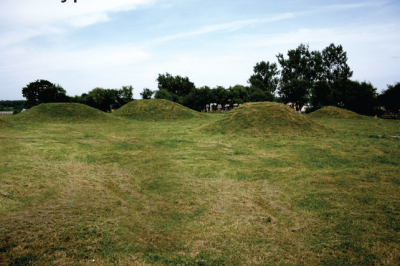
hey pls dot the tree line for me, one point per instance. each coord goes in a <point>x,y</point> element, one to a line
<point>43,91</point>
<point>304,78</point>
<point>14,106</point>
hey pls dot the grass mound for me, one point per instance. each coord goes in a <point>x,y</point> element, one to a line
<point>155,110</point>
<point>262,118</point>
<point>336,112</point>
<point>62,112</point>
<point>4,124</point>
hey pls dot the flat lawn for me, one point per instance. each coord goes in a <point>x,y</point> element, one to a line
<point>164,193</point>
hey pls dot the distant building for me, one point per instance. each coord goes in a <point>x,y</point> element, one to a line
<point>6,112</point>
<point>303,109</point>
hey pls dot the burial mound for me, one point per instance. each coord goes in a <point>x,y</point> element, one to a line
<point>62,112</point>
<point>264,118</point>
<point>336,112</point>
<point>155,110</point>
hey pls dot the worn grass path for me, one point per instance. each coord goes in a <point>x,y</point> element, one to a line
<point>164,193</point>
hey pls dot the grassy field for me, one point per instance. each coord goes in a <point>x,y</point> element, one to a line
<point>132,192</point>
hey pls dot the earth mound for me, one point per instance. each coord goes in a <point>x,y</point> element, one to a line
<point>155,110</point>
<point>264,118</point>
<point>336,112</point>
<point>4,124</point>
<point>62,112</point>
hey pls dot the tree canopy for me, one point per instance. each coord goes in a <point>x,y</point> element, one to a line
<point>146,93</point>
<point>299,71</point>
<point>323,79</point>
<point>265,77</point>
<point>105,99</point>
<point>334,64</point>
<point>43,91</point>
<point>390,99</point>
<point>177,85</point>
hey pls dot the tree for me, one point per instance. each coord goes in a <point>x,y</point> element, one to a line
<point>164,94</point>
<point>265,77</point>
<point>390,99</point>
<point>260,96</point>
<point>324,93</point>
<point>334,64</point>
<point>99,98</point>
<point>357,97</point>
<point>147,93</point>
<point>197,99</point>
<point>125,94</point>
<point>176,85</point>
<point>219,95</point>
<point>237,95</point>
<point>299,72</point>
<point>296,92</point>
<point>105,99</point>
<point>43,91</point>
<point>328,90</point>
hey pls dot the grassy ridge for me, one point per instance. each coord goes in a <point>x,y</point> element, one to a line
<point>4,124</point>
<point>335,112</point>
<point>61,112</point>
<point>148,193</point>
<point>156,110</point>
<point>264,118</point>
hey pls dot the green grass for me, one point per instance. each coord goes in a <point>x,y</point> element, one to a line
<point>263,118</point>
<point>130,192</point>
<point>4,124</point>
<point>335,112</point>
<point>156,110</point>
<point>62,113</point>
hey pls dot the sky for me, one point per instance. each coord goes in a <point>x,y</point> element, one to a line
<point>115,43</point>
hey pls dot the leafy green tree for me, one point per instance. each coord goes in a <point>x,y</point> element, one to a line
<point>99,98</point>
<point>105,99</point>
<point>237,95</point>
<point>296,92</point>
<point>299,71</point>
<point>164,94</point>
<point>265,77</point>
<point>324,93</point>
<point>147,93</point>
<point>176,85</point>
<point>334,64</point>
<point>390,99</point>
<point>357,97</point>
<point>125,95</point>
<point>220,95</point>
<point>197,99</point>
<point>43,91</point>
<point>261,96</point>
<point>328,90</point>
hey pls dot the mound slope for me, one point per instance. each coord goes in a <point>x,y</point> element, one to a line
<point>263,118</point>
<point>62,112</point>
<point>4,124</point>
<point>336,112</point>
<point>155,110</point>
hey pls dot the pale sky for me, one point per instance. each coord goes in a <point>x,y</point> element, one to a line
<point>111,43</point>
